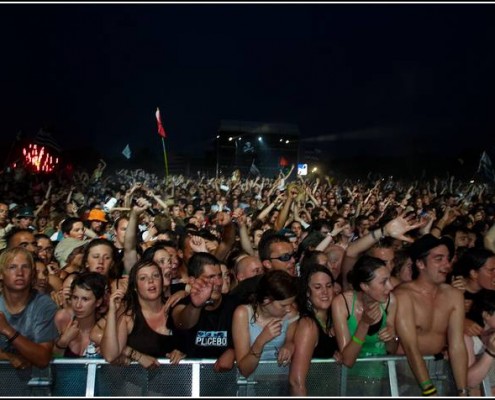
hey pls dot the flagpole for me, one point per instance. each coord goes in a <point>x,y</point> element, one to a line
<point>165,158</point>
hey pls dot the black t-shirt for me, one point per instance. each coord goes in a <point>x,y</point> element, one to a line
<point>212,335</point>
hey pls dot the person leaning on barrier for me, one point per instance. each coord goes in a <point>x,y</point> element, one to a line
<point>364,321</point>
<point>314,332</point>
<point>481,348</point>
<point>137,323</point>
<point>264,329</point>
<point>27,328</point>
<point>204,318</point>
<point>430,313</point>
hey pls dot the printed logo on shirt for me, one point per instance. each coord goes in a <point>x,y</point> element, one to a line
<point>211,338</point>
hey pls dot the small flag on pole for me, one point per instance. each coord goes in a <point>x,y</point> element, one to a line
<point>485,167</point>
<point>254,170</point>
<point>161,129</point>
<point>127,152</point>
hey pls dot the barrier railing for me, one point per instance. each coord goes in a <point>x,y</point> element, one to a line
<point>380,376</point>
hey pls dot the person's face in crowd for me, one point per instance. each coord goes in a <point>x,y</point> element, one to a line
<point>471,240</point>
<point>194,221</point>
<point>284,250</point>
<point>42,222</point>
<point>120,231</point>
<point>45,249</point>
<point>4,214</point>
<point>25,222</point>
<point>380,286</point>
<point>418,203</point>
<point>405,272</point>
<point>384,254</point>
<point>149,282</point>
<point>479,216</point>
<point>26,240</point>
<point>189,209</point>
<point>54,198</point>
<point>296,227</point>
<point>279,308</point>
<point>211,245</point>
<point>381,206</point>
<point>436,265</point>
<point>461,239</point>
<point>164,261</point>
<point>37,198</point>
<point>334,263</point>
<point>320,291</point>
<point>304,217</point>
<point>100,259</point>
<point>485,276</point>
<point>213,274</point>
<point>17,275</point>
<point>257,237</point>
<point>96,226</point>
<point>363,227</point>
<point>175,261</point>
<point>41,281</point>
<point>176,211</point>
<point>249,267</point>
<point>274,216</point>
<point>225,278</point>
<point>77,231</point>
<point>83,302</point>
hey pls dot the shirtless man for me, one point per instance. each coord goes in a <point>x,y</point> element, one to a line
<point>430,313</point>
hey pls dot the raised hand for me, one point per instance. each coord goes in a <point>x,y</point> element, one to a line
<point>201,290</point>
<point>397,228</point>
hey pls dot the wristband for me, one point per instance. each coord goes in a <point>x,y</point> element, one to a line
<point>14,337</point>
<point>429,390</point>
<point>357,340</point>
<point>426,384</point>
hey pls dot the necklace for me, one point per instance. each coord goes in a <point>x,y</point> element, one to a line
<point>323,325</point>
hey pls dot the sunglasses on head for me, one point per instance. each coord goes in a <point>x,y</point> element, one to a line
<point>284,257</point>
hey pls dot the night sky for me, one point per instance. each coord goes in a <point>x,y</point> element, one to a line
<point>405,76</point>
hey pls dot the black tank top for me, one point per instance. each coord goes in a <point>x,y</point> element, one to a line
<point>326,345</point>
<point>145,340</point>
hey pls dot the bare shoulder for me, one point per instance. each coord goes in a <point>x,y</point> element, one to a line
<point>403,289</point>
<point>451,292</point>
<point>241,312</point>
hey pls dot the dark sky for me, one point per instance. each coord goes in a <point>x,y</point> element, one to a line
<point>95,73</point>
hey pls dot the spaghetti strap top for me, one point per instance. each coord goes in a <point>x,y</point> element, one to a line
<point>372,346</point>
<point>270,350</point>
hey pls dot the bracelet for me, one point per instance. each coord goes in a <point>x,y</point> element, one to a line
<point>489,353</point>
<point>429,390</point>
<point>357,340</point>
<point>463,392</point>
<point>14,337</point>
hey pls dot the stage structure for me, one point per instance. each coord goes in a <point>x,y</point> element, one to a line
<point>270,147</point>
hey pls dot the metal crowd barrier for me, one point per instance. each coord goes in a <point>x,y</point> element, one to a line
<point>380,376</point>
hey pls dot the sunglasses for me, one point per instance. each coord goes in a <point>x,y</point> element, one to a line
<point>284,257</point>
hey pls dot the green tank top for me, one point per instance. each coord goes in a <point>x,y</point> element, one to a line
<point>373,346</point>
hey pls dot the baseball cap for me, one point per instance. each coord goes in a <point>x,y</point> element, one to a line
<point>97,215</point>
<point>25,212</point>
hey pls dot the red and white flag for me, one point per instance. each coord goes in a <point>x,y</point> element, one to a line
<point>161,129</point>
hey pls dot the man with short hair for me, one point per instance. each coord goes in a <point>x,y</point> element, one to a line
<point>27,328</point>
<point>25,217</point>
<point>18,237</point>
<point>430,314</point>
<point>247,267</point>
<point>204,318</point>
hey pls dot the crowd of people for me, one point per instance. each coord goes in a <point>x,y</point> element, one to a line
<point>133,268</point>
